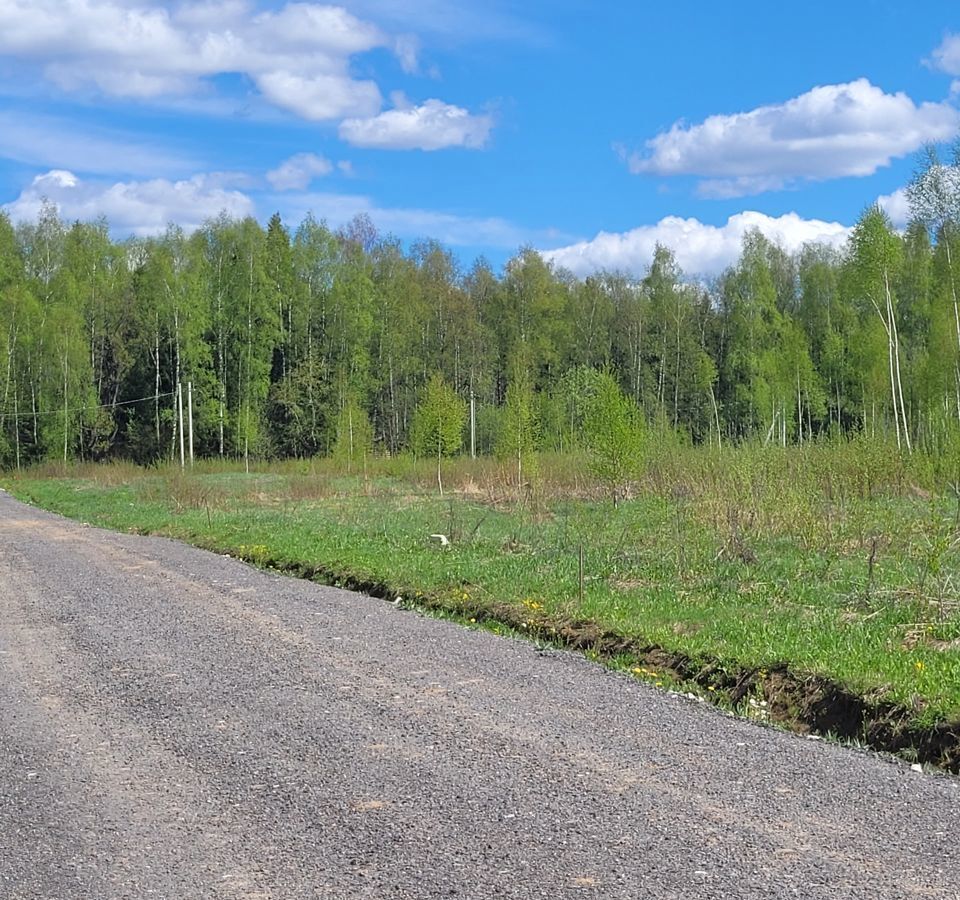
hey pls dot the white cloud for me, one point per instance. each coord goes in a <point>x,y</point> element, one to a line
<point>296,173</point>
<point>699,249</point>
<point>136,207</point>
<point>829,132</point>
<point>314,28</point>
<point>320,97</point>
<point>298,55</point>
<point>209,13</point>
<point>407,49</point>
<point>145,208</point>
<point>47,141</point>
<point>946,57</point>
<point>897,206</point>
<point>430,126</point>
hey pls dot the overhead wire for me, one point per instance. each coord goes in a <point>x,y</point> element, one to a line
<point>29,414</point>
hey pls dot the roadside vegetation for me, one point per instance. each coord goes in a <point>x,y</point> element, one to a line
<point>837,561</point>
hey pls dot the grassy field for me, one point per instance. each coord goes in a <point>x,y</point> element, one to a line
<point>834,561</point>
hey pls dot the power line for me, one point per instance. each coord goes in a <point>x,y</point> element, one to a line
<point>29,414</point>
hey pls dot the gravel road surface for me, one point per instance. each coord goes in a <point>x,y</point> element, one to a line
<point>175,724</point>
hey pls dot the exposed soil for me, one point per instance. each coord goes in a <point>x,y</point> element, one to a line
<point>807,704</point>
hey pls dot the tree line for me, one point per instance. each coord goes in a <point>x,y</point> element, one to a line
<point>298,340</point>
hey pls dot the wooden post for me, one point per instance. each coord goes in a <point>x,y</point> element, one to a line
<point>473,425</point>
<point>16,420</point>
<point>180,420</point>
<point>190,418</point>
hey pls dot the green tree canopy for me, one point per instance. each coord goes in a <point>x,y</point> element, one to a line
<point>438,422</point>
<point>614,433</point>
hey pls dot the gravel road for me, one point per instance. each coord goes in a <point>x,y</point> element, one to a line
<point>175,724</point>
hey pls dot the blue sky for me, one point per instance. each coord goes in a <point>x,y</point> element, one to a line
<point>587,130</point>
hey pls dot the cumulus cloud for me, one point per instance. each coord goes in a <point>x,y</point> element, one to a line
<point>145,208</point>
<point>313,28</point>
<point>829,132</point>
<point>897,206</point>
<point>296,173</point>
<point>210,13</point>
<point>700,249</point>
<point>430,126</point>
<point>946,57</point>
<point>298,55</point>
<point>141,208</point>
<point>320,97</point>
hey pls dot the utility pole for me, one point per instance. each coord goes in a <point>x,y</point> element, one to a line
<point>473,425</point>
<point>180,419</point>
<point>16,420</point>
<point>190,418</point>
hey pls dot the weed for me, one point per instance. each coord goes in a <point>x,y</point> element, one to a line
<point>840,559</point>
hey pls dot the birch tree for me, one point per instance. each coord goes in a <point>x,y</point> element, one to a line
<point>934,197</point>
<point>438,423</point>
<point>876,255</point>
<point>614,434</point>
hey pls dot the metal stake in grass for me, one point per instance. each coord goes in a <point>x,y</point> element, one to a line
<point>580,570</point>
<point>871,562</point>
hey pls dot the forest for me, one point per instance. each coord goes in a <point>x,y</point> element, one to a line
<point>292,336</point>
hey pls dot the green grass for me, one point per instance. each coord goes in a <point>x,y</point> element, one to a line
<point>837,561</point>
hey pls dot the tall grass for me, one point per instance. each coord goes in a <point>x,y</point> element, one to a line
<point>839,558</point>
